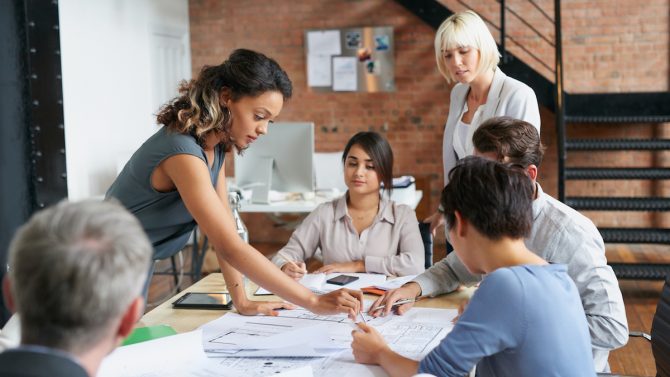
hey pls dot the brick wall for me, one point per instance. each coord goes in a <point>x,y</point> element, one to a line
<point>608,46</point>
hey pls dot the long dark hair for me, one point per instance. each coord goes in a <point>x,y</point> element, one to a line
<point>197,110</point>
<point>379,151</point>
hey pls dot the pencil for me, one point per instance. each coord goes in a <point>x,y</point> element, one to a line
<point>363,317</point>
<point>399,302</point>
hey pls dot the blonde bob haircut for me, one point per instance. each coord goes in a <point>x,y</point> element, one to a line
<point>465,29</point>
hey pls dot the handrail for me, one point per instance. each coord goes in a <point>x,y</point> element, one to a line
<point>504,36</point>
<point>542,11</point>
<point>530,26</point>
<point>559,109</point>
<point>503,32</point>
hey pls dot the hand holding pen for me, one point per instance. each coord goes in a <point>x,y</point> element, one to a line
<point>296,270</point>
<point>401,299</point>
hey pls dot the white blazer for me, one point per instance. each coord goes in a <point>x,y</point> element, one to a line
<point>507,97</point>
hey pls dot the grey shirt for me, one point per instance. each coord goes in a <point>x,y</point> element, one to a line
<point>163,214</point>
<point>559,235</point>
<point>392,245</point>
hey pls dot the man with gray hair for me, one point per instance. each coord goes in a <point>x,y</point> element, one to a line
<point>76,272</point>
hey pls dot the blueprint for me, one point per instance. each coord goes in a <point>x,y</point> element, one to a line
<point>413,335</point>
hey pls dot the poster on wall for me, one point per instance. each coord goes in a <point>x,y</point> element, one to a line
<point>351,59</point>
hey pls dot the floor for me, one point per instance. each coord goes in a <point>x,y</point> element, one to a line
<point>640,298</point>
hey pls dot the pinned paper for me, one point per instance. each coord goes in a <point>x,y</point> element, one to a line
<point>344,73</point>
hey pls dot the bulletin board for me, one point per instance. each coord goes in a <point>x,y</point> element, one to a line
<point>350,60</point>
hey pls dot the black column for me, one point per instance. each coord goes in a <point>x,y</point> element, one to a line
<point>32,140</point>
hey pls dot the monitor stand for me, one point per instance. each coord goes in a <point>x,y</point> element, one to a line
<point>260,193</point>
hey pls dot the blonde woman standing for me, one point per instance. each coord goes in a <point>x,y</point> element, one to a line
<point>467,55</point>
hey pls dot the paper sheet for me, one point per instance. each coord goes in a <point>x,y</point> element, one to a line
<point>319,70</point>
<point>176,355</point>
<point>395,283</point>
<point>345,77</point>
<point>324,42</point>
<point>317,282</point>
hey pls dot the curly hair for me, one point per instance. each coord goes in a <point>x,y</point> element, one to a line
<point>197,110</point>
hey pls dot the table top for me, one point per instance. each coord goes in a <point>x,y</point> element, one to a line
<point>306,206</point>
<point>183,320</point>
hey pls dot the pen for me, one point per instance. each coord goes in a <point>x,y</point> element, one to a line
<point>363,317</point>
<point>399,302</point>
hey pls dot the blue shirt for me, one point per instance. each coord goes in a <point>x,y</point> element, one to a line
<point>163,215</point>
<point>522,321</point>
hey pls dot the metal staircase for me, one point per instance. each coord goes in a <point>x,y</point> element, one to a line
<point>572,109</point>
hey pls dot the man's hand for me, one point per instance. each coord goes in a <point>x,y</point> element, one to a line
<point>410,290</point>
<point>353,266</point>
<point>436,220</point>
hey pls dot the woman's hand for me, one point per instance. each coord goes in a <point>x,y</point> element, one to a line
<point>436,220</point>
<point>410,290</point>
<point>339,301</point>
<point>249,307</point>
<point>296,270</point>
<point>368,345</point>
<point>353,266</point>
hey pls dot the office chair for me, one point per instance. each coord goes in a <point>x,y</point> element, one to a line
<point>427,238</point>
<point>660,334</point>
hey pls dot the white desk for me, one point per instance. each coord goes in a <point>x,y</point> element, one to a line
<point>304,206</point>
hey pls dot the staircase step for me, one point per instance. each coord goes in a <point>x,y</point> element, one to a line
<point>641,271</point>
<point>617,119</point>
<point>636,235</point>
<point>618,204</point>
<point>617,173</point>
<point>617,144</point>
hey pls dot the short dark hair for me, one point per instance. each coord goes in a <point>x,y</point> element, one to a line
<point>379,151</point>
<point>513,140</point>
<point>496,198</point>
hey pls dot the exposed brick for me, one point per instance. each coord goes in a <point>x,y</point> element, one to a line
<point>607,47</point>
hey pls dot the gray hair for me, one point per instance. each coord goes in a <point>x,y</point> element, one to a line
<point>74,269</point>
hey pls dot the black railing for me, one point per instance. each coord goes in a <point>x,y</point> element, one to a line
<point>559,100</point>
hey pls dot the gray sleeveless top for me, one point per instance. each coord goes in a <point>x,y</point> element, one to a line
<point>163,215</point>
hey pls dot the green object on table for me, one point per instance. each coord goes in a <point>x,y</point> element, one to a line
<point>142,334</point>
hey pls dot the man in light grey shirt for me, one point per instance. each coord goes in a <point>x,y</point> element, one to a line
<point>559,235</point>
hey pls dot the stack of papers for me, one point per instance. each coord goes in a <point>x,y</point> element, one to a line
<point>317,282</point>
<point>413,335</point>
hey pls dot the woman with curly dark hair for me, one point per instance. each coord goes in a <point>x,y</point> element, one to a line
<point>176,179</point>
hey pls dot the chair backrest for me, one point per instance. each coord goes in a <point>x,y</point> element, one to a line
<point>660,332</point>
<point>427,237</point>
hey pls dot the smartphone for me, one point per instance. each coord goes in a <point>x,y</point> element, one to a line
<point>342,279</point>
<point>193,300</point>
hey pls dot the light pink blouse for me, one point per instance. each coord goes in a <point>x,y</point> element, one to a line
<point>392,245</point>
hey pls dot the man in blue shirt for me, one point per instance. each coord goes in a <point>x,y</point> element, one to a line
<point>526,317</point>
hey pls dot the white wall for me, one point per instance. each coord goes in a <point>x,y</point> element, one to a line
<point>114,78</point>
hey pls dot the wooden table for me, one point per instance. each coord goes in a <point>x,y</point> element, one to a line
<point>183,320</point>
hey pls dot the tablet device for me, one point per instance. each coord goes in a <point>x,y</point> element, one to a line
<point>342,279</point>
<point>193,300</point>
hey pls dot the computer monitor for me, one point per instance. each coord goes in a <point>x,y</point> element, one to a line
<point>282,160</point>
